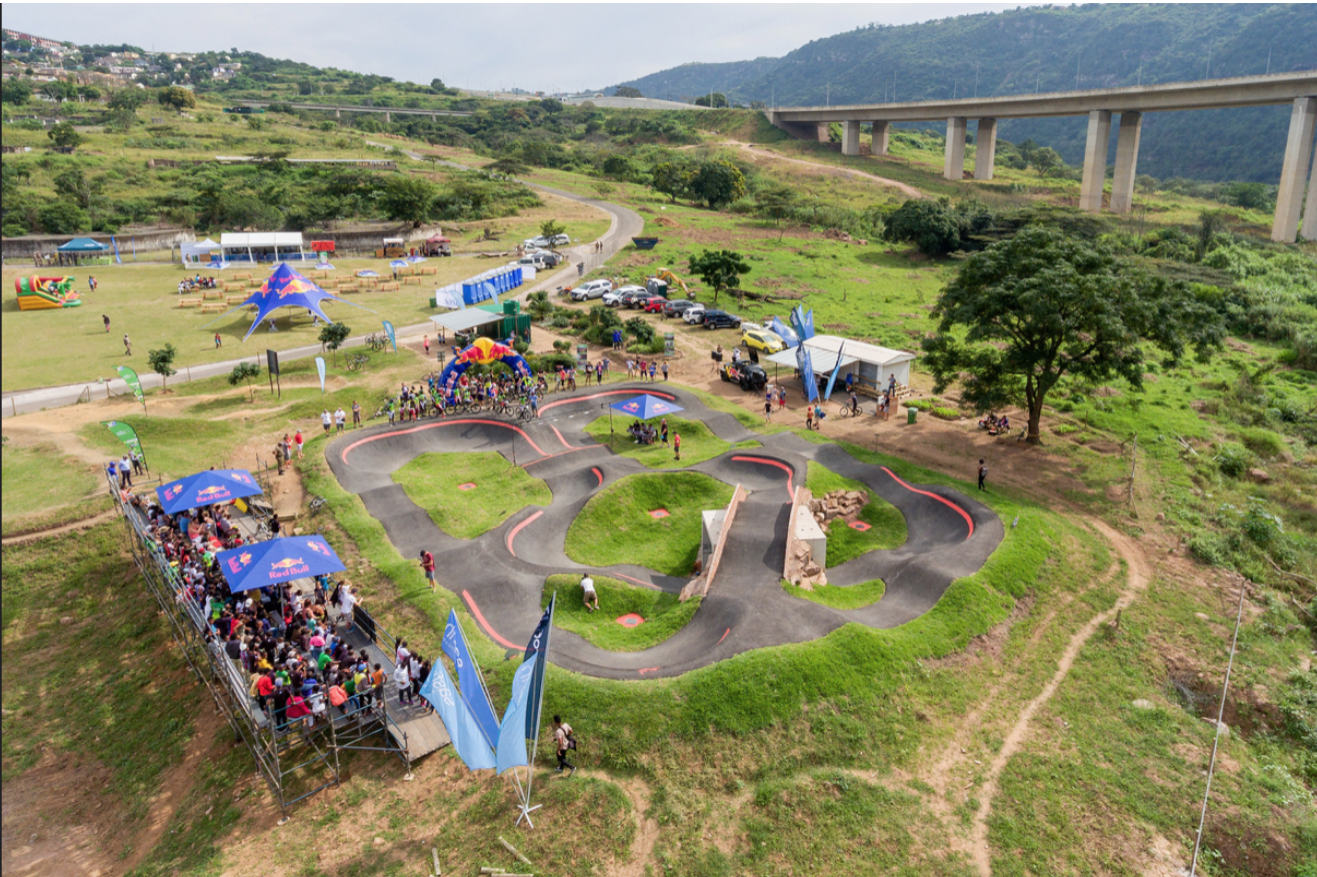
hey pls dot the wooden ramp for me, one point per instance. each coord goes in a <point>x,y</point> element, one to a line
<point>423,731</point>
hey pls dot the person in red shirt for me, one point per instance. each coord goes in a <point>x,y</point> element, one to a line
<point>427,564</point>
<point>265,690</point>
<point>297,440</point>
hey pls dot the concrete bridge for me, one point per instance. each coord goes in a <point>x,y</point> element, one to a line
<point>339,109</point>
<point>1297,89</point>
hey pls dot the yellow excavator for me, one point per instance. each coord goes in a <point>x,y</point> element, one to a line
<point>660,282</point>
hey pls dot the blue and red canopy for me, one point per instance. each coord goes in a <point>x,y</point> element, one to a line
<point>205,488</point>
<point>646,406</point>
<point>277,560</point>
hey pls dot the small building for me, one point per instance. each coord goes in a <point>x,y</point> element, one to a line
<point>262,246</point>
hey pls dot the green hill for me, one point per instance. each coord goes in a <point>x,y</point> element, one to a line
<point>1050,49</point>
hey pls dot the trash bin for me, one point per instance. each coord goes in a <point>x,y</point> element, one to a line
<point>433,303</point>
<point>910,414</point>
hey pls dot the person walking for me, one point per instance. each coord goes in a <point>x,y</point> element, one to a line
<point>427,566</point>
<point>403,680</point>
<point>781,397</point>
<point>566,740</point>
<point>127,345</point>
<point>983,475</point>
<point>768,406</point>
<point>676,445</point>
<point>279,456</point>
<point>809,417</point>
<point>106,319</point>
<point>425,343</point>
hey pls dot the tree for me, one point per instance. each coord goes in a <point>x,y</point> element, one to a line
<point>59,90</point>
<point>669,178</point>
<point>305,87</point>
<point>63,217</point>
<point>627,91</point>
<point>408,199</point>
<point>508,166</point>
<point>333,335</point>
<point>245,371</point>
<point>89,92</point>
<point>717,183</point>
<point>16,91</point>
<point>72,183</point>
<point>177,97</point>
<point>776,202</point>
<point>719,269</point>
<point>1046,161</point>
<point>1040,306</point>
<point>162,362</point>
<point>539,306</point>
<point>931,225</point>
<point>551,228</point>
<point>126,99</point>
<point>717,99</point>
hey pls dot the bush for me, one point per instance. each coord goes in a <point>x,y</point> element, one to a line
<point>650,347</point>
<point>1232,459</point>
<point>922,404</point>
<point>640,329</point>
<point>1210,548</point>
<point>942,413</point>
<point>1263,442</point>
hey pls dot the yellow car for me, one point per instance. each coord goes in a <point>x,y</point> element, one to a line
<point>762,339</point>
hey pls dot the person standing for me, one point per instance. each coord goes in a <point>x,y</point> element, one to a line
<point>427,566</point>
<point>768,406</point>
<point>326,420</point>
<point>676,445</point>
<point>425,343</point>
<point>127,345</point>
<point>403,680</point>
<point>106,319</point>
<point>809,417</point>
<point>983,475</point>
<point>356,414</point>
<point>137,461</point>
<point>125,473</point>
<point>297,440</point>
<point>91,283</point>
<point>562,735</point>
<point>663,431</point>
<point>340,420</point>
<point>781,397</point>
<point>665,371</point>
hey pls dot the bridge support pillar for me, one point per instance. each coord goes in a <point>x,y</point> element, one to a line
<point>1127,162</point>
<point>434,117</point>
<point>1310,209</point>
<point>1095,161</point>
<point>882,136</point>
<point>1294,173</point>
<point>953,166</point>
<point>850,138</point>
<point>388,117</point>
<point>985,152</point>
<point>338,114</point>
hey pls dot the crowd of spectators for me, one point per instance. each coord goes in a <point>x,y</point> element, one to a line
<point>191,284</point>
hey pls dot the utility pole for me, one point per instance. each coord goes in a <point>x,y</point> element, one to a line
<point>1077,60</point>
<point>828,94</point>
<point>976,79</point>
<point>1209,61</point>
<point>955,84</point>
<point>1268,59</point>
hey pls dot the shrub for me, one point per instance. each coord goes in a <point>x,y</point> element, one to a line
<point>1210,548</point>
<point>1232,459</point>
<point>1263,442</point>
<point>641,330</point>
<point>942,413</point>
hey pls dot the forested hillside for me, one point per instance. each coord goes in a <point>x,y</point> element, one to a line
<point>1051,49</point>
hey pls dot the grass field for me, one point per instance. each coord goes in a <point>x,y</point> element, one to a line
<point>434,482</point>
<point>41,485</point>
<point>886,523</point>
<point>698,443</point>
<point>663,615</point>
<point>616,525</point>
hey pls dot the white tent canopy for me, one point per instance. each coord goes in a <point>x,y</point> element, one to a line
<point>198,251</point>
<point>250,242</point>
<point>872,365</point>
<point>461,321</point>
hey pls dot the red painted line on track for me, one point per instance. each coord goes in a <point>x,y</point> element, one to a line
<point>648,670</point>
<point>561,439</point>
<point>964,514</point>
<point>618,575</point>
<point>512,534</point>
<point>343,455</point>
<point>723,637</point>
<point>598,474</point>
<point>668,396</point>
<point>493,634</point>
<point>791,493</point>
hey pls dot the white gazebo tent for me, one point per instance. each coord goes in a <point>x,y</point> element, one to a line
<point>248,242</point>
<point>198,251</point>
<point>872,365</point>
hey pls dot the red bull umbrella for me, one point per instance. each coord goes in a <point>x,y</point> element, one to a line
<point>646,406</point>
<point>277,560</point>
<point>205,488</point>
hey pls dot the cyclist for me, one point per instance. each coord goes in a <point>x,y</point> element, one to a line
<point>855,402</point>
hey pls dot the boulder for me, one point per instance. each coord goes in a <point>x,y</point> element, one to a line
<point>811,569</point>
<point>1261,476</point>
<point>1142,704</point>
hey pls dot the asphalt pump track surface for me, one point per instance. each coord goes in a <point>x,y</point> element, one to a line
<point>500,575</point>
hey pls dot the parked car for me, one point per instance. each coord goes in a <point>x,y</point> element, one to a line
<point>640,299</point>
<point>631,293</point>
<point>694,314</point>
<point>536,243</point>
<point>655,304</point>
<point>617,297</point>
<point>762,339</point>
<point>720,320</point>
<point>749,375</point>
<point>559,240</point>
<point>677,308</point>
<point>592,289</point>
<point>549,257</point>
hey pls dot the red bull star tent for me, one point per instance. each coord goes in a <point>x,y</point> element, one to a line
<point>277,560</point>
<point>646,406</point>
<point>286,288</point>
<point>205,488</point>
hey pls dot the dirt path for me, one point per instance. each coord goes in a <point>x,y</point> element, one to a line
<point>757,154</point>
<point>84,524</point>
<point>1139,575</point>
<point>642,847</point>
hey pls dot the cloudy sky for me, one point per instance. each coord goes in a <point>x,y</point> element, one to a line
<point>543,46</point>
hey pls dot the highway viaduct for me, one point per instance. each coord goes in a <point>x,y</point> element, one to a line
<point>1129,104</point>
<point>339,109</point>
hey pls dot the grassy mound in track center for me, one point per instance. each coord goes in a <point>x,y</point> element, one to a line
<point>663,614</point>
<point>616,525</point>
<point>698,443</point>
<point>433,482</point>
<point>886,523</point>
<point>839,596</point>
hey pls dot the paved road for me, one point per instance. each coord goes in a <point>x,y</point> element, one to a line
<point>625,224</point>
<point>500,575</point>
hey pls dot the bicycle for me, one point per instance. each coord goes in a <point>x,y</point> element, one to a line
<point>357,361</point>
<point>846,411</point>
<point>315,506</point>
<point>377,341</point>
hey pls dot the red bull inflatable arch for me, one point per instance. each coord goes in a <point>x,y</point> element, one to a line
<point>483,351</point>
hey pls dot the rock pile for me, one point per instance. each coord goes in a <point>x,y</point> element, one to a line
<point>803,570</point>
<point>837,504</point>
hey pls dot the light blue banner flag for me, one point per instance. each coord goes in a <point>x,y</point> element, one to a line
<point>320,370</point>
<point>393,338</point>
<point>803,322</point>
<point>537,653</point>
<point>832,378</point>
<point>512,733</point>
<point>472,687</point>
<point>468,740</point>
<point>785,332</point>
<point>115,244</point>
<point>806,373</point>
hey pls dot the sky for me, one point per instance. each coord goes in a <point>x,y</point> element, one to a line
<point>538,47</point>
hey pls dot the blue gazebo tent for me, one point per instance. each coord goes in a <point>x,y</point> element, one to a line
<point>206,488</point>
<point>83,245</point>
<point>286,288</point>
<point>646,406</point>
<point>277,560</point>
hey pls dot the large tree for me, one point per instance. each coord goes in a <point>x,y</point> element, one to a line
<point>719,269</point>
<point>1028,311</point>
<point>177,97</point>
<point>717,183</point>
<point>670,178</point>
<point>408,199</point>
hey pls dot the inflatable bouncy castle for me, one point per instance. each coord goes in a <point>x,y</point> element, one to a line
<point>42,293</point>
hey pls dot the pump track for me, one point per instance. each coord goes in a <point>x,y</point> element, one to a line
<point>500,575</point>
